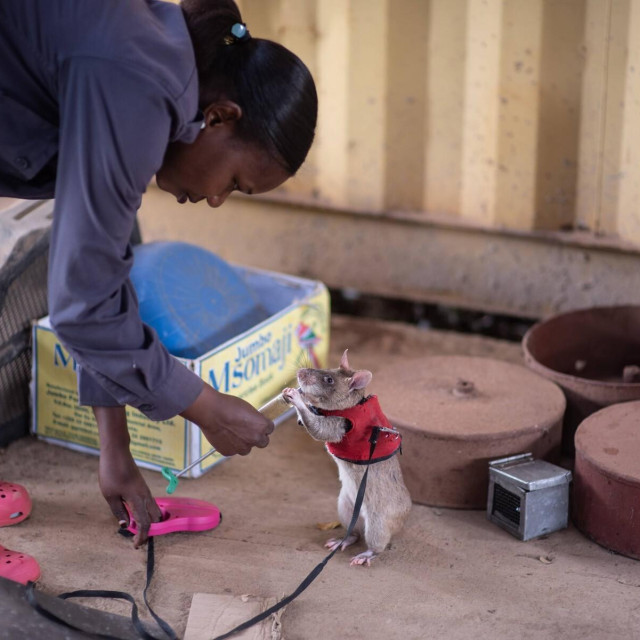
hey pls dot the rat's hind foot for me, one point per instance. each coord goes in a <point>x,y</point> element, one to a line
<point>363,558</point>
<point>334,543</point>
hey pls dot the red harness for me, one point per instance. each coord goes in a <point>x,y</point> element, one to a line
<point>355,445</point>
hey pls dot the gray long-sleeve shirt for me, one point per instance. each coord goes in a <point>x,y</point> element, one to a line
<point>91,93</point>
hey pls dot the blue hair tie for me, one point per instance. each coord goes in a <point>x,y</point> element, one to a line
<point>239,33</point>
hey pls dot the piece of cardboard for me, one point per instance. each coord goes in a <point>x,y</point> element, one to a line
<point>254,365</point>
<point>213,615</point>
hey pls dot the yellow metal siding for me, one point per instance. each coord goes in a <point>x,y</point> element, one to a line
<point>514,114</point>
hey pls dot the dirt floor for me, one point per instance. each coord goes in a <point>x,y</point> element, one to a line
<point>450,574</point>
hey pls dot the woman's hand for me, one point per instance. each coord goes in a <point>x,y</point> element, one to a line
<point>230,424</point>
<point>119,478</point>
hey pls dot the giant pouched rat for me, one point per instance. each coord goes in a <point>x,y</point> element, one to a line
<point>332,406</point>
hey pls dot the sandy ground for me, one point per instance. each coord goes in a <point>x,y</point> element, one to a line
<point>450,574</point>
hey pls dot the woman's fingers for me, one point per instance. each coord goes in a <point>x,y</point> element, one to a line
<point>145,511</point>
<point>119,510</point>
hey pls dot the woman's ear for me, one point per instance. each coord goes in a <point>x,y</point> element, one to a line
<point>222,112</point>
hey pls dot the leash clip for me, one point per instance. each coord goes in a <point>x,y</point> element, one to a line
<point>395,432</point>
<point>375,431</point>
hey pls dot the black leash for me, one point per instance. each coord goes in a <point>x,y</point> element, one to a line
<point>121,595</point>
<point>170,633</point>
<point>373,440</point>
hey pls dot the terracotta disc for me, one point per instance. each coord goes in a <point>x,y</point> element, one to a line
<point>457,413</point>
<point>606,491</point>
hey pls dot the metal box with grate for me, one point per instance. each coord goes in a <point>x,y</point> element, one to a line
<point>24,250</point>
<point>527,497</point>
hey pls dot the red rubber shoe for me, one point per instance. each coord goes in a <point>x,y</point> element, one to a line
<point>15,503</point>
<point>17,566</point>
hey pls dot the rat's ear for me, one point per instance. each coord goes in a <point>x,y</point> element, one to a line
<point>360,379</point>
<point>344,362</point>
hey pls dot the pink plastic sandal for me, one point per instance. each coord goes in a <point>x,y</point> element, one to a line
<point>17,566</point>
<point>15,503</point>
<point>181,514</point>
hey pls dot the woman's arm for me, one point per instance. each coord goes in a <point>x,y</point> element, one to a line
<point>119,478</point>
<point>230,424</point>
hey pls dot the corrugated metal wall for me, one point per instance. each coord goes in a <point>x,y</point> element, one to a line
<point>493,144</point>
<point>520,114</point>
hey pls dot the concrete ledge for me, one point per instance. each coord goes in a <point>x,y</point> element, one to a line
<point>407,256</point>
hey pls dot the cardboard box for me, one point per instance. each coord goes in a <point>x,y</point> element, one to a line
<point>254,365</point>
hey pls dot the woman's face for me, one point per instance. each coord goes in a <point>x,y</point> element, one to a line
<point>217,162</point>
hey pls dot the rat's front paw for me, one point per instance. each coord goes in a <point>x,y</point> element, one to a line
<point>292,396</point>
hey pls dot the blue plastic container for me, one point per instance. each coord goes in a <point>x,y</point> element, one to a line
<point>192,298</point>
